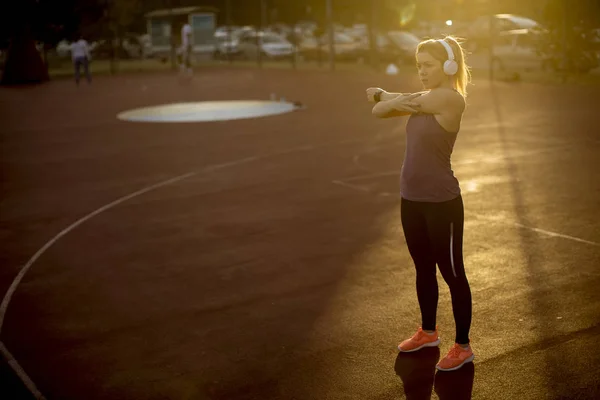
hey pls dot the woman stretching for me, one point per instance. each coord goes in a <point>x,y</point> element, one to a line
<point>431,202</point>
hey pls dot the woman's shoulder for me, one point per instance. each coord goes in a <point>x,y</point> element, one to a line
<point>450,94</point>
<point>455,100</point>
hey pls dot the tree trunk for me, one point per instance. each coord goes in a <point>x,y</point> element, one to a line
<point>24,63</point>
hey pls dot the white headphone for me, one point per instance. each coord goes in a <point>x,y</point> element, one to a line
<point>450,66</point>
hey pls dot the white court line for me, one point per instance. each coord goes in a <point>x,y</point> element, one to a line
<point>401,129</point>
<point>210,168</point>
<point>538,230</point>
<point>479,216</point>
<point>349,185</point>
<point>494,159</point>
<point>15,284</point>
<point>19,371</point>
<point>469,161</point>
<point>13,287</point>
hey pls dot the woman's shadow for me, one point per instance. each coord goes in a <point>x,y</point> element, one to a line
<point>418,373</point>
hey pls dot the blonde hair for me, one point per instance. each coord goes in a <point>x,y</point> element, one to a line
<point>438,51</point>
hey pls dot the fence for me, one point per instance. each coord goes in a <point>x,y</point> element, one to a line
<point>304,44</point>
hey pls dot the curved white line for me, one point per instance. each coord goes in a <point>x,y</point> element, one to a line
<point>13,287</point>
<point>21,373</point>
<point>12,362</point>
<point>210,168</point>
<point>15,284</point>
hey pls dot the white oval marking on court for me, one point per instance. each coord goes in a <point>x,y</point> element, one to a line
<point>207,111</point>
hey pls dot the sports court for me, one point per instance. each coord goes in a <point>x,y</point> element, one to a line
<point>264,258</point>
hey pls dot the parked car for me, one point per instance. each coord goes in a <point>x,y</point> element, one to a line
<point>478,32</point>
<point>392,47</point>
<point>268,45</point>
<point>225,31</point>
<point>526,50</point>
<point>516,50</point>
<point>346,48</point>
<point>227,46</point>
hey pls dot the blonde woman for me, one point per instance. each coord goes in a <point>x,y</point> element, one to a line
<point>431,202</point>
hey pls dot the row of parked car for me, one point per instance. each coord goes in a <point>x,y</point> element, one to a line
<point>248,43</point>
<point>518,43</point>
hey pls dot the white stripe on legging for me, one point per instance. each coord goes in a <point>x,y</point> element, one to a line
<point>452,248</point>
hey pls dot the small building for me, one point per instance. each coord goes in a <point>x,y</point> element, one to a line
<point>165,24</point>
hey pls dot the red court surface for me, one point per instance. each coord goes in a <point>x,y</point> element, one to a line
<point>264,258</point>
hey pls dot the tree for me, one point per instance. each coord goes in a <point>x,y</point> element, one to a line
<point>24,63</point>
<point>568,42</point>
<point>124,13</point>
<point>120,16</point>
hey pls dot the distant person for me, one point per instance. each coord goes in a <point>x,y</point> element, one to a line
<point>186,49</point>
<point>80,54</point>
<point>432,211</point>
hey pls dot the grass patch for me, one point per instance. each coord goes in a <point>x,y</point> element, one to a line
<point>103,67</point>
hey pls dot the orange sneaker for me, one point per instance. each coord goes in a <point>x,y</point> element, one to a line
<point>419,340</point>
<point>456,358</point>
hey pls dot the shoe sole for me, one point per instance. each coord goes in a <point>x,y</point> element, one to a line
<point>467,360</point>
<point>429,344</point>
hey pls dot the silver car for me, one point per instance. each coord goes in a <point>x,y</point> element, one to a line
<point>268,45</point>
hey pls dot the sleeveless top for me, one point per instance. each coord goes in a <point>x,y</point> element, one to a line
<point>426,171</point>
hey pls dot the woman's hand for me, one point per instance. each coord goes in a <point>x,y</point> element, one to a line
<point>372,91</point>
<point>397,107</point>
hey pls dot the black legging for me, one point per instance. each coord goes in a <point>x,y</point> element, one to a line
<point>434,235</point>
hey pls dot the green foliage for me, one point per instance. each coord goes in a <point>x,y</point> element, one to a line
<point>570,40</point>
<point>125,12</point>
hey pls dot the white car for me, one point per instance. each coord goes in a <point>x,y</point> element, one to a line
<point>345,47</point>
<point>268,45</point>
<point>515,50</point>
<point>225,31</point>
<point>503,23</point>
<point>226,40</point>
<point>226,47</point>
<point>478,33</point>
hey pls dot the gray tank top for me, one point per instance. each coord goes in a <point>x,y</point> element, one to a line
<point>426,171</point>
